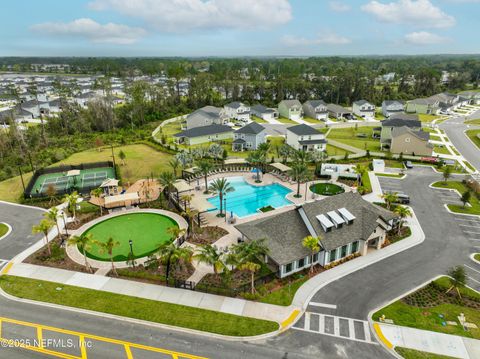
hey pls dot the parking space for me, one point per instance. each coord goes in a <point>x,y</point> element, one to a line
<point>448,197</point>
<point>391,185</point>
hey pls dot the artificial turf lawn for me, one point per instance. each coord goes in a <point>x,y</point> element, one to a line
<point>326,189</point>
<point>460,187</point>
<point>147,231</point>
<point>133,307</point>
<point>3,229</point>
<point>417,354</point>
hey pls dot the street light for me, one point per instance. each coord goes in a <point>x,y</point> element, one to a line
<point>225,208</point>
<point>64,223</point>
<point>131,252</point>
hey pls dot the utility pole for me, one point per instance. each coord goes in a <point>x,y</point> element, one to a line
<point>113,156</point>
<point>21,177</point>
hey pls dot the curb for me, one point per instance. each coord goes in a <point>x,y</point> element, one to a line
<point>138,321</point>
<point>24,205</point>
<point>446,204</point>
<point>472,257</point>
<point>9,230</point>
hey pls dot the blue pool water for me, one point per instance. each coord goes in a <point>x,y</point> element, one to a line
<point>246,199</point>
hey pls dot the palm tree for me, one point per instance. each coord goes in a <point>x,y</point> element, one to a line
<point>252,268</point>
<point>184,158</point>
<point>71,200</point>
<point>190,214</point>
<point>122,156</point>
<point>43,227</point>
<point>446,173</point>
<point>52,215</point>
<point>301,156</point>
<point>174,163</point>
<point>257,159</point>
<point>97,192</point>
<point>457,278</point>
<point>210,255</point>
<point>108,247</point>
<point>170,253</point>
<point>250,251</point>
<point>360,170</point>
<point>204,167</point>
<point>216,151</point>
<point>285,151</point>
<point>220,187</point>
<point>311,243</point>
<point>299,172</point>
<point>167,179</point>
<point>403,212</point>
<point>175,232</point>
<point>186,199</point>
<point>390,197</point>
<point>84,243</point>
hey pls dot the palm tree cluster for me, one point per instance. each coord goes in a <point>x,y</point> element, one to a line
<point>299,171</point>
<point>220,187</point>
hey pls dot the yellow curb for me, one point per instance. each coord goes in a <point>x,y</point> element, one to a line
<point>385,341</point>
<point>290,319</point>
<point>7,268</point>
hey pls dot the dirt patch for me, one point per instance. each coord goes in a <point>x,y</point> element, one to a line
<point>207,235</point>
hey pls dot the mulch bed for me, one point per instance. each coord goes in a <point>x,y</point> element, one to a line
<point>207,235</point>
<point>393,235</point>
<point>433,295</point>
<point>82,218</point>
<point>59,258</point>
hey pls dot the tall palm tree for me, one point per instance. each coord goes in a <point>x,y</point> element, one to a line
<point>360,170</point>
<point>457,278</point>
<point>251,251</point>
<point>311,243</point>
<point>175,232</point>
<point>71,200</point>
<point>190,214</point>
<point>186,199</point>
<point>84,243</point>
<point>167,179</point>
<point>220,187</point>
<point>285,151</point>
<point>210,255</point>
<point>97,192</point>
<point>43,227</point>
<point>53,215</point>
<point>174,163</point>
<point>403,212</point>
<point>390,197</point>
<point>299,172</point>
<point>170,253</point>
<point>252,268</point>
<point>204,167</point>
<point>257,159</point>
<point>264,147</point>
<point>301,156</point>
<point>108,247</point>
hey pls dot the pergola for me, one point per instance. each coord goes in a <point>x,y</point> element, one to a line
<point>182,186</point>
<point>280,166</point>
<point>110,185</point>
<point>236,161</point>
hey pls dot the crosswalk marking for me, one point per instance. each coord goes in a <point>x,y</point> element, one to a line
<point>3,262</point>
<point>476,281</point>
<point>466,220</point>
<point>349,326</point>
<point>323,305</point>
<point>472,269</point>
<point>471,232</point>
<point>469,225</point>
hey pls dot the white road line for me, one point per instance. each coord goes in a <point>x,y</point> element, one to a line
<point>336,326</point>
<point>351,329</point>
<point>321,324</point>
<point>307,320</point>
<point>323,305</point>
<point>471,232</point>
<point>476,281</point>
<point>366,329</point>
<point>468,225</point>
<point>475,270</point>
<point>473,239</point>
<point>466,220</point>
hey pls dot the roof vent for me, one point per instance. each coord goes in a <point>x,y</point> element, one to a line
<point>345,213</point>
<point>326,224</point>
<point>334,216</point>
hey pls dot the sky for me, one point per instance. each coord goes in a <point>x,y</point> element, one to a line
<point>238,27</point>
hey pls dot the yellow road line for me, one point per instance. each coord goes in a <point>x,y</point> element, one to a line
<point>7,268</point>
<point>40,337</point>
<point>128,352</point>
<point>290,319</point>
<point>382,337</point>
<point>83,348</point>
<point>99,338</point>
<point>11,343</point>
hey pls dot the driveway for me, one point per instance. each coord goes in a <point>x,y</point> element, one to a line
<point>21,219</point>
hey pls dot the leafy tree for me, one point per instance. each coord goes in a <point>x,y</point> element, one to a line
<point>43,227</point>
<point>122,156</point>
<point>360,170</point>
<point>311,243</point>
<point>84,243</point>
<point>465,197</point>
<point>220,187</point>
<point>446,173</point>
<point>457,278</point>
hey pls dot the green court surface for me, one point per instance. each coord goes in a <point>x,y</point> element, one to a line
<point>88,178</point>
<point>147,231</point>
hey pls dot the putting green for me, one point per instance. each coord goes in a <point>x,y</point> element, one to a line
<point>326,189</point>
<point>148,231</point>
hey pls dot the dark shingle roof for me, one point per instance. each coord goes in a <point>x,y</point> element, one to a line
<point>397,131</point>
<point>315,103</point>
<point>252,128</point>
<point>399,120</point>
<point>303,130</point>
<point>204,131</point>
<point>262,109</point>
<point>291,103</point>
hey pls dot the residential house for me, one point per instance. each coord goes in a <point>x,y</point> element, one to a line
<point>412,142</point>
<point>473,96</point>
<point>238,111</point>
<point>426,106</point>
<point>316,109</point>
<point>364,109</point>
<point>305,138</point>
<point>205,116</point>
<point>338,112</point>
<point>204,134</point>
<point>392,107</point>
<point>249,137</point>
<point>344,224</point>
<point>264,113</point>
<point>291,109</point>
<point>398,120</point>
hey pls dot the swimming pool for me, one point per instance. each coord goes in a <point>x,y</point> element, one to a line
<point>247,199</point>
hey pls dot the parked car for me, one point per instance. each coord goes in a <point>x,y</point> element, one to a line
<point>408,164</point>
<point>402,198</point>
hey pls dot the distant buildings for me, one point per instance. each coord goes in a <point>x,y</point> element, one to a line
<point>291,109</point>
<point>364,109</point>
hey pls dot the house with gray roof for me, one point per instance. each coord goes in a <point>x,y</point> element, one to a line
<point>291,109</point>
<point>204,134</point>
<point>249,137</point>
<point>316,109</point>
<point>344,224</point>
<point>426,106</point>
<point>206,116</point>
<point>237,111</point>
<point>398,120</point>
<point>410,142</point>
<point>364,109</point>
<point>305,138</point>
<point>265,113</point>
<point>338,112</point>
<point>392,107</point>
<point>472,96</point>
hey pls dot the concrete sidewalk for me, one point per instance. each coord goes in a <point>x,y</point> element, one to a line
<point>431,342</point>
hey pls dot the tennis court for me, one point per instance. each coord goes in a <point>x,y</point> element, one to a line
<point>79,179</point>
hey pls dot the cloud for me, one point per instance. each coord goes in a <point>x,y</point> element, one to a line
<point>419,13</point>
<point>424,38</point>
<point>338,6</point>
<point>182,16</point>
<point>327,38</point>
<point>92,30</point>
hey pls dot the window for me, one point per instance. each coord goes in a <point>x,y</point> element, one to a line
<point>301,263</point>
<point>354,247</point>
<point>344,251</point>
<point>407,139</point>
<point>333,255</point>
<point>288,268</point>
<point>315,257</point>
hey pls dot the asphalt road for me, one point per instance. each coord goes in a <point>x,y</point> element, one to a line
<point>21,219</point>
<point>454,128</point>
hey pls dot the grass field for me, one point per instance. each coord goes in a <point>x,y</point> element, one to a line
<point>141,161</point>
<point>3,229</point>
<point>458,208</point>
<point>473,122</point>
<point>429,319</point>
<point>416,354</point>
<point>392,175</point>
<point>441,150</point>
<point>138,308</point>
<point>360,138</point>
<point>427,118</point>
<point>477,256</point>
<point>326,189</point>
<point>287,121</point>
<point>147,231</point>
<point>335,151</point>
<point>258,119</point>
<point>312,120</point>
<point>474,136</point>
<point>285,294</point>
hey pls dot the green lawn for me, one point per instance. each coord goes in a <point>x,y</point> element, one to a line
<point>3,229</point>
<point>360,138</point>
<point>473,122</point>
<point>429,318</point>
<point>335,151</point>
<point>477,256</point>
<point>258,119</point>
<point>392,175</point>
<point>285,294</point>
<point>460,187</point>
<point>312,120</point>
<point>287,121</point>
<point>366,183</point>
<point>326,189</point>
<point>416,354</point>
<point>147,231</point>
<point>133,307</point>
<point>441,150</point>
<point>474,135</point>
<point>427,118</point>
